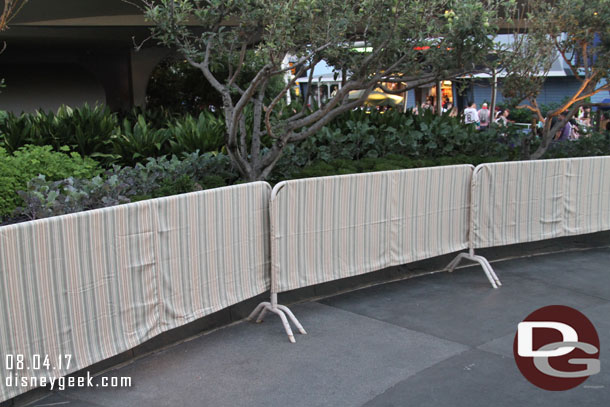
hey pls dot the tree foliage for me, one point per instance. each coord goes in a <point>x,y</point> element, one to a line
<point>177,87</point>
<point>578,32</point>
<point>369,42</point>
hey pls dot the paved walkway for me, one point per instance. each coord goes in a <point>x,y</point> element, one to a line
<point>438,340</point>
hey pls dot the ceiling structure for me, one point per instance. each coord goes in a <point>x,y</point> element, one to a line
<point>74,22</point>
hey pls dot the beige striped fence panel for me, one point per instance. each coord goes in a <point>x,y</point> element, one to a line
<point>328,228</point>
<point>213,250</point>
<point>84,287</point>
<point>518,202</point>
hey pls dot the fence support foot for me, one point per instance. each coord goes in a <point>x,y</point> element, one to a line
<point>280,310</point>
<point>489,271</point>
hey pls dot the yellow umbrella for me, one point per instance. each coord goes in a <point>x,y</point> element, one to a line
<point>377,97</point>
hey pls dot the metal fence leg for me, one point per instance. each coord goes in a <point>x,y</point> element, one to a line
<point>261,316</point>
<point>260,307</point>
<point>489,271</point>
<point>280,310</point>
<point>294,319</point>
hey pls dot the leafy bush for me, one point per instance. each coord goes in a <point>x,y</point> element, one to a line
<point>16,131</point>
<point>43,197</point>
<point>135,143</point>
<point>204,133</point>
<point>157,117</point>
<point>357,141</point>
<point>595,144</point>
<point>359,134</point>
<point>85,130</point>
<point>51,198</point>
<point>28,162</point>
<point>162,176</point>
<point>388,163</point>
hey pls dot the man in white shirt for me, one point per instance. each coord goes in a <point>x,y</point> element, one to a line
<point>471,115</point>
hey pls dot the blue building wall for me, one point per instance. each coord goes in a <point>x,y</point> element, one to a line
<point>601,97</point>
<point>411,99</point>
<point>555,90</point>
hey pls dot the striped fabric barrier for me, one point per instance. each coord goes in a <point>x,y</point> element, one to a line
<point>518,202</point>
<point>323,229</point>
<point>80,288</point>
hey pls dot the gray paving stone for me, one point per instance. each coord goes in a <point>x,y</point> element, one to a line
<point>502,346</point>
<point>478,378</point>
<point>587,272</point>
<point>439,340</point>
<point>345,360</point>
<point>460,306</point>
<point>59,400</point>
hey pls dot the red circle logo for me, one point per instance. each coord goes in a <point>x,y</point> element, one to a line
<point>556,348</point>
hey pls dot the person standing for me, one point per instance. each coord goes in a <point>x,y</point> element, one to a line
<point>503,118</point>
<point>484,116</point>
<point>565,133</point>
<point>471,115</point>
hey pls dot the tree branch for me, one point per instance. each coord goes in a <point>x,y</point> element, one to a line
<point>242,57</point>
<point>312,66</point>
<point>255,149</point>
<point>585,56</point>
<point>562,51</point>
<point>551,130</point>
<point>534,108</point>
<point>573,99</point>
<point>263,74</point>
<point>315,127</point>
<point>278,97</point>
<point>243,135</point>
<point>205,68</point>
<point>320,113</point>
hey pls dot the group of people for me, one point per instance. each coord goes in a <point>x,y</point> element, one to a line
<point>484,116</point>
<point>578,124</point>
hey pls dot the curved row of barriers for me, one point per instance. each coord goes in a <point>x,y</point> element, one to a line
<point>95,284</point>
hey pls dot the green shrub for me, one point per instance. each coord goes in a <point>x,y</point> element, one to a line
<point>594,144</point>
<point>54,165</point>
<point>212,181</point>
<point>85,130</point>
<point>204,133</point>
<point>30,161</point>
<point>43,197</point>
<point>359,135</point>
<point>389,163</point>
<point>135,143</point>
<point>180,185</point>
<point>16,131</point>
<point>157,117</point>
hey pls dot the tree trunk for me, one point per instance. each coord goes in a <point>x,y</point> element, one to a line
<point>494,91</point>
<point>546,138</point>
<point>439,99</point>
<point>526,143</point>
